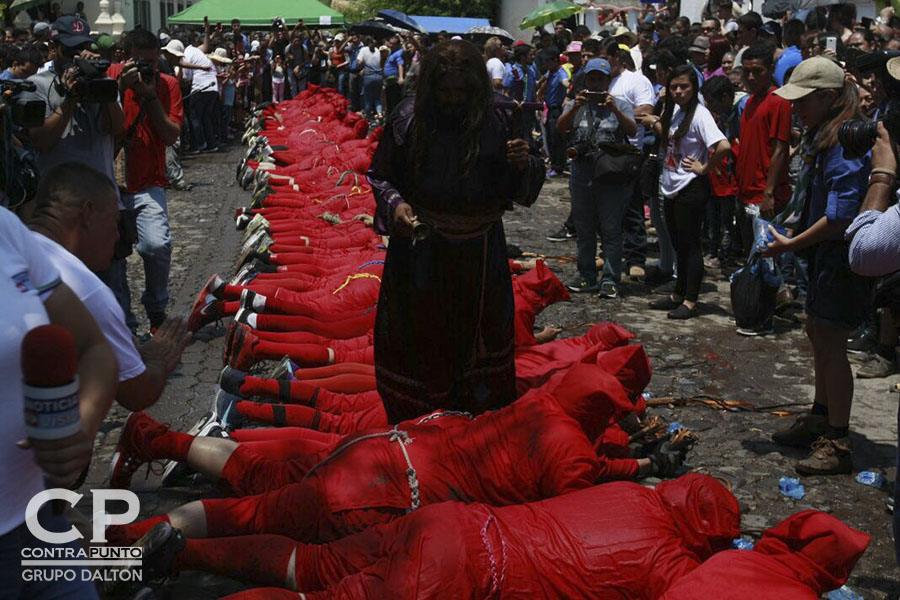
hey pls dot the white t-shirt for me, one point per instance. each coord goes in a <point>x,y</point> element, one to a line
<point>700,138</point>
<point>27,279</point>
<point>201,80</point>
<point>638,57</point>
<point>495,69</point>
<point>100,302</point>
<point>370,60</point>
<point>635,89</point>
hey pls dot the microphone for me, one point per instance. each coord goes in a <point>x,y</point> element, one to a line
<point>50,374</point>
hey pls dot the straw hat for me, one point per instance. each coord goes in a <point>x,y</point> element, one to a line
<point>625,35</point>
<point>220,55</point>
<point>893,67</point>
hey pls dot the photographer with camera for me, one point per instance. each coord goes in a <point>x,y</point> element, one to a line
<point>83,115</point>
<point>597,122</point>
<point>837,301</point>
<point>153,118</point>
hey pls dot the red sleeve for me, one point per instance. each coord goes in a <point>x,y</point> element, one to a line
<point>175,107</point>
<point>780,121</point>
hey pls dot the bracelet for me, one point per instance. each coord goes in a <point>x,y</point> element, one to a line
<point>881,178</point>
<point>878,170</point>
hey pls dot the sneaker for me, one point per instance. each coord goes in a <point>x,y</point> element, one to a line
<point>159,547</point>
<point>766,328</point>
<point>241,356</point>
<point>133,450</point>
<point>828,457</point>
<point>227,415</point>
<point>802,432</point>
<point>244,276</point>
<point>683,313</point>
<point>877,367</point>
<point>562,235</point>
<point>204,311</point>
<point>181,185</point>
<point>608,289</point>
<point>864,341</point>
<point>231,380</point>
<point>242,316</point>
<point>241,222</point>
<point>285,370</point>
<point>580,286</point>
<point>252,301</point>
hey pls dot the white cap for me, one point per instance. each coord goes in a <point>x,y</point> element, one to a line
<point>175,48</point>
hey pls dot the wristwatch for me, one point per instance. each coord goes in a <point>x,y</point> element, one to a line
<point>884,178</point>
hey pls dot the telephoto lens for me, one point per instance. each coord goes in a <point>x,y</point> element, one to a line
<point>857,137</point>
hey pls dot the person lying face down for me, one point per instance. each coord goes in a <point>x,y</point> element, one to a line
<point>617,540</point>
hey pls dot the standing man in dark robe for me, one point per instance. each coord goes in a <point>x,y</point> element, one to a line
<point>449,164</point>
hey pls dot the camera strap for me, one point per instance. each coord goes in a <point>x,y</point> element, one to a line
<point>133,128</point>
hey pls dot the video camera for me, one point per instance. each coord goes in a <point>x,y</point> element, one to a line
<point>856,136</point>
<point>27,113</point>
<point>91,83</point>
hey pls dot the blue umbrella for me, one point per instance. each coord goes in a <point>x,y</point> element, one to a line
<point>395,17</point>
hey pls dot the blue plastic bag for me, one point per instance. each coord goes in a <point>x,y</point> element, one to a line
<point>791,487</point>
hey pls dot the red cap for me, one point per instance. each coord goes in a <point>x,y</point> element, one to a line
<point>49,357</point>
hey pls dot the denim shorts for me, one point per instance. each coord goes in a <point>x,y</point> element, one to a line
<point>837,297</point>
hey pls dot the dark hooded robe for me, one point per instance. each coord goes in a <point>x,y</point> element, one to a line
<point>444,328</point>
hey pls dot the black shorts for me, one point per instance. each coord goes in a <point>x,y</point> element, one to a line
<point>837,297</point>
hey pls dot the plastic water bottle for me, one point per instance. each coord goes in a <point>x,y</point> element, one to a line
<point>843,593</point>
<point>791,487</point>
<point>875,480</point>
<point>674,426</point>
<point>742,544</point>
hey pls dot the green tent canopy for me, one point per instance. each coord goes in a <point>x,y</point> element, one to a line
<point>259,13</point>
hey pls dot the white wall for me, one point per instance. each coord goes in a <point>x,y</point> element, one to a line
<point>511,13</point>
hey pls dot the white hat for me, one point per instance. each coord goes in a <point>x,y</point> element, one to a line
<point>254,45</point>
<point>220,55</point>
<point>175,48</point>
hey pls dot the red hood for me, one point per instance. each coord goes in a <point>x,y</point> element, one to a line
<point>630,365</point>
<point>592,397</point>
<point>707,514</point>
<point>540,288</point>
<point>819,549</point>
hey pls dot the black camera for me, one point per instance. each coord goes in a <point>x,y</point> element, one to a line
<point>91,83</point>
<point>857,137</point>
<point>146,70</point>
<point>25,113</point>
<point>579,150</point>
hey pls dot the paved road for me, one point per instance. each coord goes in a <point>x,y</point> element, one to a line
<point>703,356</point>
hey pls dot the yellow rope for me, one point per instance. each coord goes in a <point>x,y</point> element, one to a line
<point>356,276</point>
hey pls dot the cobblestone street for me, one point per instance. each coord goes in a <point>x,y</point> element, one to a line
<point>703,356</point>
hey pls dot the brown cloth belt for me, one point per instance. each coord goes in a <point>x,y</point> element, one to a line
<point>458,227</point>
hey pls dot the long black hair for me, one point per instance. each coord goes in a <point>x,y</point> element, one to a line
<point>463,58</point>
<point>679,71</point>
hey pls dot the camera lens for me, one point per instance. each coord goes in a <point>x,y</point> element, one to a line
<point>857,137</point>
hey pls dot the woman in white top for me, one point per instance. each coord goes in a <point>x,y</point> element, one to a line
<point>689,134</point>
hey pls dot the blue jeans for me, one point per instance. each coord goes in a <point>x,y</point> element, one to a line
<point>12,581</point>
<point>343,82</point>
<point>371,92</point>
<point>154,245</point>
<point>596,205</point>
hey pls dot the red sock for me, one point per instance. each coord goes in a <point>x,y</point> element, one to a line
<point>292,392</point>
<point>229,308</point>
<point>302,354</point>
<point>125,535</point>
<point>280,415</point>
<point>171,445</point>
<point>344,329</point>
<point>259,559</point>
<point>337,369</point>
<point>283,433</point>
<point>345,384</point>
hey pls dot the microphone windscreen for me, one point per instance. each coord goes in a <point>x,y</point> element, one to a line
<point>49,356</point>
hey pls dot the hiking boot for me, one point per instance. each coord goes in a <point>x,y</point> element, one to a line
<point>581,286</point>
<point>803,432</point>
<point>133,450</point>
<point>609,289</point>
<point>877,367</point>
<point>828,457</point>
<point>562,235</point>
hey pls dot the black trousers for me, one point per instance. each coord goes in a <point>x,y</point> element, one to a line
<point>684,217</point>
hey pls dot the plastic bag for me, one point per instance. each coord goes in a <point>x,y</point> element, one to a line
<point>753,291</point>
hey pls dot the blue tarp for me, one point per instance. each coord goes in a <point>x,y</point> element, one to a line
<point>453,25</point>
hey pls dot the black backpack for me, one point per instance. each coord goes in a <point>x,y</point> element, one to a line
<point>752,298</point>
